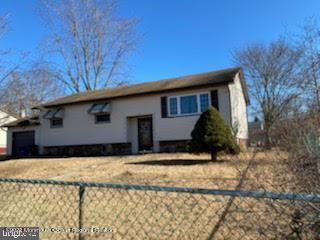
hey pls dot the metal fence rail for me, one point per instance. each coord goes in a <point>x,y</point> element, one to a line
<point>119,211</point>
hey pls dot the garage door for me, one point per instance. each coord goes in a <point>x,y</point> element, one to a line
<point>22,142</point>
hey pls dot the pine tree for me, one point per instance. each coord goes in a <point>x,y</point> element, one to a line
<point>212,135</point>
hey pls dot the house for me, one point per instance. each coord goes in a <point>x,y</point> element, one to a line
<point>153,116</point>
<point>256,133</point>
<point>5,117</point>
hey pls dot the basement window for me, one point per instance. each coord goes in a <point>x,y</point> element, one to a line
<point>56,123</point>
<point>102,118</point>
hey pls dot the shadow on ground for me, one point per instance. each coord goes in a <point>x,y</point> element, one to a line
<point>175,162</point>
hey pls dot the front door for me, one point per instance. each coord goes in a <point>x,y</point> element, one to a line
<point>145,137</point>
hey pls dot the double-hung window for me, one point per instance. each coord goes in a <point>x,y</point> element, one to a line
<point>173,103</point>
<point>204,101</point>
<point>188,104</point>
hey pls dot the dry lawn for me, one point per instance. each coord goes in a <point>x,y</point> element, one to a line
<point>159,169</point>
<point>134,214</point>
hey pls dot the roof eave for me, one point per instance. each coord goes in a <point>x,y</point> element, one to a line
<point>13,126</point>
<point>244,86</point>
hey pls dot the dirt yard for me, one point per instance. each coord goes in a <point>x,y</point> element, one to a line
<point>158,169</point>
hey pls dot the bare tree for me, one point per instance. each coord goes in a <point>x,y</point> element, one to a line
<point>3,26</point>
<point>272,70</point>
<point>310,40</point>
<point>6,67</point>
<point>89,42</point>
<point>29,88</point>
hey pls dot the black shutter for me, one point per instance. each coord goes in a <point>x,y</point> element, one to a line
<point>215,99</point>
<point>164,110</point>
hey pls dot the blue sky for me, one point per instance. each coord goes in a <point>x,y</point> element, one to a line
<point>180,36</point>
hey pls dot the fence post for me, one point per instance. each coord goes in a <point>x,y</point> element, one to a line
<point>81,194</point>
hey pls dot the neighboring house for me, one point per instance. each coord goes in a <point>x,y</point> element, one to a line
<point>154,116</point>
<point>256,133</point>
<point>5,117</point>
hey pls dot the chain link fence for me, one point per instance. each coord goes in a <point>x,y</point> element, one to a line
<point>84,210</point>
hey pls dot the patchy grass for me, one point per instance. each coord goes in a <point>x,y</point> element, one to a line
<point>164,169</point>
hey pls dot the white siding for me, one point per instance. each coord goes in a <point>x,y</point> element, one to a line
<point>238,109</point>
<point>79,127</point>
<point>4,118</point>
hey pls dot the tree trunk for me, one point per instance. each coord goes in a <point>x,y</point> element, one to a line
<point>213,156</point>
<point>267,130</point>
<point>267,139</point>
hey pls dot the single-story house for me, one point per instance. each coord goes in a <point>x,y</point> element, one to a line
<point>153,116</point>
<point>5,117</point>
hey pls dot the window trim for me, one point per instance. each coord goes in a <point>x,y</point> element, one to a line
<point>56,126</point>
<point>102,122</point>
<point>179,114</point>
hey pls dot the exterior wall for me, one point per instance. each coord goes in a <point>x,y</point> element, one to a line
<point>79,127</point>
<point>132,128</point>
<point>238,109</point>
<point>4,118</point>
<point>22,129</point>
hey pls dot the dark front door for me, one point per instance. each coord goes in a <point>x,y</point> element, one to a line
<point>145,138</point>
<point>22,142</point>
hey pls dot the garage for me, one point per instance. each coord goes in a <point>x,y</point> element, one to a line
<point>23,143</point>
<point>22,136</point>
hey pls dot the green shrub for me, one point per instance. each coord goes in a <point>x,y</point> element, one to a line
<point>212,135</point>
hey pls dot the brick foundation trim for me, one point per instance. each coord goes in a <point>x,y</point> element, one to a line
<point>89,150</point>
<point>243,144</point>
<point>3,150</point>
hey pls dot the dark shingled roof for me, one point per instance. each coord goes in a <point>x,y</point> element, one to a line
<point>24,122</point>
<point>191,81</point>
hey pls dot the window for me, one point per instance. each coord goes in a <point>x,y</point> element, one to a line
<point>56,122</point>
<point>173,106</point>
<point>102,118</point>
<point>204,102</point>
<point>188,104</point>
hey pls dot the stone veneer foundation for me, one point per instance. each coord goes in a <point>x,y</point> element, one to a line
<point>120,148</point>
<point>181,145</point>
<point>89,150</point>
<point>174,146</point>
